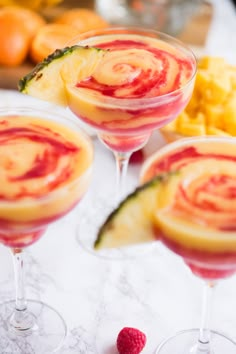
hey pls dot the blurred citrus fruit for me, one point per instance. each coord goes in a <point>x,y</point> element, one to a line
<point>14,39</point>
<point>83,19</point>
<point>49,38</point>
<point>31,20</point>
<point>30,4</point>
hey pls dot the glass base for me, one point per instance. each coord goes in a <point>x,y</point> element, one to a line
<point>42,332</point>
<point>186,342</point>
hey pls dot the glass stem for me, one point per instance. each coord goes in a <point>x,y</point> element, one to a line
<point>18,259</point>
<point>21,320</point>
<point>203,345</point>
<point>122,162</point>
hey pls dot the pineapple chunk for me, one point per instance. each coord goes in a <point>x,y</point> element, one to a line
<point>211,130</point>
<point>202,82</point>
<point>172,126</point>
<point>192,126</point>
<point>212,107</point>
<point>214,115</point>
<point>229,117</point>
<point>193,129</point>
<point>181,119</point>
<point>218,89</point>
<point>212,64</point>
<point>232,71</point>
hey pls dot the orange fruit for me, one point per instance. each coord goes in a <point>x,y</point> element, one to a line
<point>31,4</point>
<point>49,38</point>
<point>83,19</point>
<point>31,20</point>
<point>14,39</point>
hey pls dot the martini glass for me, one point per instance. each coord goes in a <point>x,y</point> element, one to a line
<point>45,169</point>
<point>196,220</point>
<point>142,83</point>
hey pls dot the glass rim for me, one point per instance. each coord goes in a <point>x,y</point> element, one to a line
<point>149,101</point>
<point>179,143</point>
<point>34,113</point>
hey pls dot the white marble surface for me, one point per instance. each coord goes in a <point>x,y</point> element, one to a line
<point>98,297</point>
<point>154,292</point>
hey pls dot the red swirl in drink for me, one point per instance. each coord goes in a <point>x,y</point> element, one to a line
<point>196,215</point>
<point>141,84</point>
<point>45,169</point>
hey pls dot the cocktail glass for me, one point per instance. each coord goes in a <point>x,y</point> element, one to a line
<point>142,83</point>
<point>45,169</point>
<point>197,221</point>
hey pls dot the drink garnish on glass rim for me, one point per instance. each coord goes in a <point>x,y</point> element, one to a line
<point>48,79</point>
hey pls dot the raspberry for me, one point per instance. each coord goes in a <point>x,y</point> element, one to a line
<point>130,341</point>
<point>137,157</point>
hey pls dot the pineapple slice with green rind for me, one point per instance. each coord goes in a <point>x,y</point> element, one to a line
<point>64,66</point>
<point>132,222</point>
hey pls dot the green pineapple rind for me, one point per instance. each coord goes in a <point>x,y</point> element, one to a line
<point>37,72</point>
<point>141,218</point>
<point>45,81</point>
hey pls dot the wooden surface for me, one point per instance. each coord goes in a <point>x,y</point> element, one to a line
<point>194,33</point>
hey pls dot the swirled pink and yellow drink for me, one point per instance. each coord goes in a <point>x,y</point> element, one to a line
<point>141,83</point>
<point>196,214</point>
<point>45,170</point>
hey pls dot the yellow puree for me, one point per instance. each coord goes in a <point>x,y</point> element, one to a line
<point>192,209</point>
<point>53,190</point>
